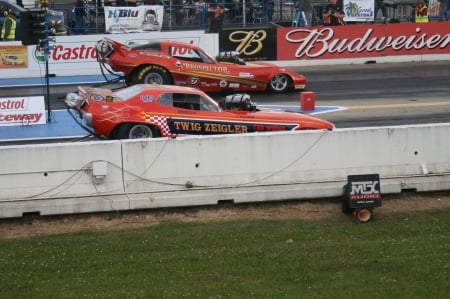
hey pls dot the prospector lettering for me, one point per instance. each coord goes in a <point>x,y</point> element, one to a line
<point>206,68</point>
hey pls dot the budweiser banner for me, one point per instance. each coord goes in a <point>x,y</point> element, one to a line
<point>359,41</point>
<point>133,19</point>
<point>252,43</point>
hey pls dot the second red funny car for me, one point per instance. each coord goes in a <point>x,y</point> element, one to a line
<point>184,64</point>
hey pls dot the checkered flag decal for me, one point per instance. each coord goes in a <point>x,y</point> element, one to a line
<point>161,122</point>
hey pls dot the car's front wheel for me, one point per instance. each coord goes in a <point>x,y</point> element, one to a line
<point>280,83</point>
<point>136,131</point>
<point>150,74</point>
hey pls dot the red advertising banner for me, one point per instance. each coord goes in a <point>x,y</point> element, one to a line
<point>358,41</point>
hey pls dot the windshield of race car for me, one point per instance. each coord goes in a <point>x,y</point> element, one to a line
<point>170,98</point>
<point>188,101</point>
<point>190,54</point>
<point>127,93</point>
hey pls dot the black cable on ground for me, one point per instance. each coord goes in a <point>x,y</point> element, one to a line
<point>91,132</point>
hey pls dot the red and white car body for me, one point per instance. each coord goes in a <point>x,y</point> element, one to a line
<point>146,111</point>
<point>170,62</point>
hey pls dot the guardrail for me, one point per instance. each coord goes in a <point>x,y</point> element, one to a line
<point>136,174</point>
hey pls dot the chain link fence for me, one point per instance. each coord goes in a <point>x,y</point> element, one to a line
<point>185,16</point>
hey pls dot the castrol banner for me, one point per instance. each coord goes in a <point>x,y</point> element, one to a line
<point>22,111</point>
<point>361,41</point>
<point>75,55</point>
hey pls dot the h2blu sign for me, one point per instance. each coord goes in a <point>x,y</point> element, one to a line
<point>133,19</point>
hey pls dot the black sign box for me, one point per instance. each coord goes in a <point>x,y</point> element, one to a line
<point>363,191</point>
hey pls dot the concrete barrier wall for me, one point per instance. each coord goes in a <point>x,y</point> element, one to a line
<point>37,172</point>
<point>135,174</point>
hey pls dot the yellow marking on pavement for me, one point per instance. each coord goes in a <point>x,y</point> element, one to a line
<point>399,105</point>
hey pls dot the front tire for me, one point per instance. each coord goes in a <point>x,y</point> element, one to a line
<point>150,74</point>
<point>136,131</point>
<point>280,83</point>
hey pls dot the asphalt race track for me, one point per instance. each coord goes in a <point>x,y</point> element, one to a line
<point>360,95</point>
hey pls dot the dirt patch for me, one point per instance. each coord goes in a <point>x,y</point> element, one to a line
<point>307,210</point>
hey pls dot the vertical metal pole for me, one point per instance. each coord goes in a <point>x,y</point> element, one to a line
<point>87,16</point>
<point>47,83</point>
<point>46,48</point>
<point>170,14</point>
<point>281,10</point>
<point>244,13</point>
<point>96,14</point>
<point>47,19</point>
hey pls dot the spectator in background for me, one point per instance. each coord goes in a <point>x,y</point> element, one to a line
<point>201,8</point>
<point>80,17</point>
<point>333,15</point>
<point>191,9</point>
<point>20,3</point>
<point>153,2</point>
<point>268,9</point>
<point>177,6</point>
<point>216,22</point>
<point>420,12</point>
<point>379,5</point>
<point>444,6</point>
<point>132,3</point>
<point>249,10</point>
<point>9,26</point>
<point>235,9</point>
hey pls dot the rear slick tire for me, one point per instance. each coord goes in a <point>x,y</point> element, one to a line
<point>136,131</point>
<point>151,74</point>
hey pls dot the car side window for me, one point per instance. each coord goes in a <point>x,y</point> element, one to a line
<point>189,55</point>
<point>187,101</point>
<point>166,99</point>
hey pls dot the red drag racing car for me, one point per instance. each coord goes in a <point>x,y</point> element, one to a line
<point>170,62</point>
<point>146,111</point>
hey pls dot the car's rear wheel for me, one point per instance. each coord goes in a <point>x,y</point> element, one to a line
<point>280,83</point>
<point>136,131</point>
<point>150,74</point>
